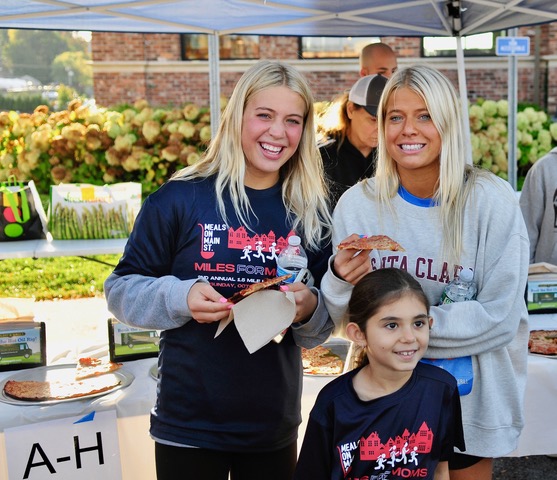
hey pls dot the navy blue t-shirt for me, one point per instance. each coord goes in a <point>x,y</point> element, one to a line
<point>401,435</point>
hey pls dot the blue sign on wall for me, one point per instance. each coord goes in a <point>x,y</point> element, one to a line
<point>512,46</point>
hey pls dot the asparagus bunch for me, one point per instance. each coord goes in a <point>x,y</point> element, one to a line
<point>93,222</point>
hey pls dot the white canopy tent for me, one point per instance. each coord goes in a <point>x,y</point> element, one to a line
<point>279,17</point>
<point>283,17</point>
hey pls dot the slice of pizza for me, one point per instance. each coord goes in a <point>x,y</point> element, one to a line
<point>321,361</point>
<point>543,342</point>
<point>40,391</point>
<point>374,242</point>
<point>270,283</point>
<point>88,367</point>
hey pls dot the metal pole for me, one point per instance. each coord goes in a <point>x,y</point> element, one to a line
<point>463,100</point>
<point>537,69</point>
<point>511,124</point>
<point>214,82</point>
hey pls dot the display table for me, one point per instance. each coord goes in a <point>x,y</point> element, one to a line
<point>134,402</point>
<point>61,248</point>
<point>132,405</point>
<point>539,436</point>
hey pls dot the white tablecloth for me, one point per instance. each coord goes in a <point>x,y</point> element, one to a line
<point>539,436</point>
<point>133,404</point>
<point>61,248</point>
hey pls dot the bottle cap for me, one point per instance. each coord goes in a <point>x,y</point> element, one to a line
<point>294,240</point>
<point>466,275</point>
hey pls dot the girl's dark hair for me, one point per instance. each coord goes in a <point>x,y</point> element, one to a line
<point>375,290</point>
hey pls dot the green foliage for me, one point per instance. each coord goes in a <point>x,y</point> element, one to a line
<point>73,69</point>
<point>31,52</point>
<point>50,57</point>
<point>65,96</point>
<point>55,278</point>
<point>21,101</point>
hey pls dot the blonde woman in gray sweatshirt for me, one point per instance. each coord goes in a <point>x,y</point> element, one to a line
<point>448,216</point>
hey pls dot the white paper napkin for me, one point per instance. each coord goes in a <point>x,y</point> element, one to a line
<point>261,317</point>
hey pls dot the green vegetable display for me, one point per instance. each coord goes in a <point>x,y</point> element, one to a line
<point>92,222</point>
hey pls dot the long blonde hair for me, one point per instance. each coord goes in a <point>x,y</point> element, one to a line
<point>456,177</point>
<point>303,185</point>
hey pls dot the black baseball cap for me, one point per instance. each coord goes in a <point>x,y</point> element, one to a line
<point>367,91</point>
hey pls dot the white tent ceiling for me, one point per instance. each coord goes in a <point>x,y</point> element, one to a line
<point>279,17</point>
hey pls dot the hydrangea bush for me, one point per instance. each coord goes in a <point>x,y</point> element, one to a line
<point>83,144</point>
<point>536,135</point>
<point>141,143</point>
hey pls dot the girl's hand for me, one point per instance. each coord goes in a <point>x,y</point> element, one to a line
<point>206,304</point>
<point>349,266</point>
<point>306,300</point>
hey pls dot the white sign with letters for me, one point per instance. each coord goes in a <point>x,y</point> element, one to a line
<point>80,447</point>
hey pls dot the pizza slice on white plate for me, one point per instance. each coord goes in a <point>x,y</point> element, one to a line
<point>88,367</point>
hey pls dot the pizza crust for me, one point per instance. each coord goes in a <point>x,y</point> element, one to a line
<point>38,391</point>
<point>269,283</point>
<point>373,242</point>
<point>89,377</point>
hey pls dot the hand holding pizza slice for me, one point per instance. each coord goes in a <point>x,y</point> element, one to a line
<point>269,283</point>
<point>352,261</point>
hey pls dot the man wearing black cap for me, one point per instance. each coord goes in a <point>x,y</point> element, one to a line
<point>348,152</point>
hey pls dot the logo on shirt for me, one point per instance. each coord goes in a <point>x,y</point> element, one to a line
<point>395,454</point>
<point>263,247</point>
<point>346,452</point>
<point>247,258</point>
<point>209,239</point>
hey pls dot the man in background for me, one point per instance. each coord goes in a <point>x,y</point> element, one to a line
<point>377,58</point>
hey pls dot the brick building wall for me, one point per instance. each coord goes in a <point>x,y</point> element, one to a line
<point>130,66</point>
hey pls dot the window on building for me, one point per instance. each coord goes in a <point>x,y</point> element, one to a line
<point>473,45</point>
<point>232,47</point>
<point>334,47</point>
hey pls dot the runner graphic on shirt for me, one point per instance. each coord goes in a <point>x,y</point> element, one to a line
<point>387,457</point>
<point>257,254</point>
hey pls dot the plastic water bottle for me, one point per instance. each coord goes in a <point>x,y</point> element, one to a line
<point>292,259</point>
<point>462,288</point>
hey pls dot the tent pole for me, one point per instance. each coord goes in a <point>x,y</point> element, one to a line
<point>512,167</point>
<point>463,99</point>
<point>214,82</point>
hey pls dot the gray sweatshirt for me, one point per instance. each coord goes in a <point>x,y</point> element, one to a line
<point>493,329</point>
<point>538,202</point>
